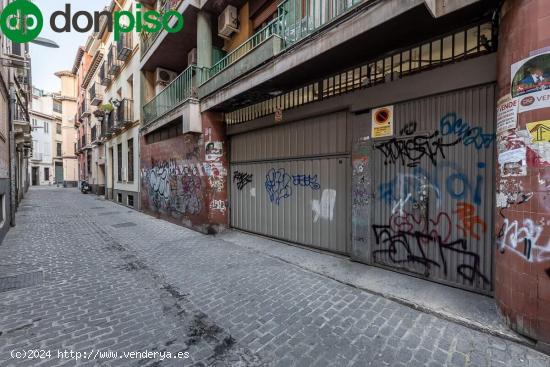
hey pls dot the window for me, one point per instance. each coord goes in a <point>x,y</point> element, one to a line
<point>130,160</point>
<point>119,159</point>
<point>58,128</point>
<point>119,197</point>
<point>165,132</point>
<point>57,107</point>
<point>47,173</point>
<point>131,200</point>
<point>34,122</point>
<point>89,163</point>
<point>46,127</point>
<point>58,151</point>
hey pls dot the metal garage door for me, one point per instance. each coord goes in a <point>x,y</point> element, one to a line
<point>434,189</point>
<point>292,182</point>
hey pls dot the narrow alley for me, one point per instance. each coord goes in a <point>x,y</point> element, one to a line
<point>90,282</point>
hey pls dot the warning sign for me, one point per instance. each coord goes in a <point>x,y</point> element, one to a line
<point>382,122</point>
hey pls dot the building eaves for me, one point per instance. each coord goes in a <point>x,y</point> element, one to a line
<point>93,67</point>
<point>78,59</point>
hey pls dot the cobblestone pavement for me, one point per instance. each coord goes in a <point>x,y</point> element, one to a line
<point>96,276</point>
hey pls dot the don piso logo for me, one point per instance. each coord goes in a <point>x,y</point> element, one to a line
<point>22,21</point>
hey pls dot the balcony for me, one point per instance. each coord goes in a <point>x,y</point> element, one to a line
<point>113,64</point>
<point>124,46</point>
<point>124,113</point>
<point>96,94</point>
<point>104,77</point>
<point>294,22</point>
<point>147,39</point>
<point>84,109</point>
<point>174,95</point>
<point>36,157</point>
<point>259,48</point>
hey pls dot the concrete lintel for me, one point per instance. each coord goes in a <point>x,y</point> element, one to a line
<point>439,8</point>
<point>189,111</point>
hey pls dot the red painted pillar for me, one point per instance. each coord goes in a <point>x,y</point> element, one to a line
<point>522,259</point>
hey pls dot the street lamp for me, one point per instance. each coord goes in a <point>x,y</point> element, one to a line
<point>41,41</point>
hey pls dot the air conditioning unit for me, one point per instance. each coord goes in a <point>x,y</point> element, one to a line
<point>228,22</point>
<point>192,57</point>
<point>163,77</point>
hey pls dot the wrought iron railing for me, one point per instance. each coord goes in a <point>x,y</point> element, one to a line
<point>178,91</point>
<point>124,46</point>
<point>104,77</point>
<point>462,44</point>
<point>125,112</point>
<point>96,94</point>
<point>113,63</point>
<point>245,48</point>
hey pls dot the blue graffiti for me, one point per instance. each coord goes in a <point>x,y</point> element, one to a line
<point>306,181</point>
<point>278,184</point>
<point>451,124</point>
<point>447,176</point>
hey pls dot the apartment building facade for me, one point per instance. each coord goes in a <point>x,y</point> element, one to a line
<point>367,128</point>
<point>15,127</point>
<point>44,137</point>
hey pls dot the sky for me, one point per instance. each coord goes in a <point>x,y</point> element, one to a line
<point>47,61</point>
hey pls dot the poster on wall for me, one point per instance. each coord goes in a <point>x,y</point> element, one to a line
<point>507,113</point>
<point>513,162</point>
<point>382,122</point>
<point>539,131</point>
<point>214,150</point>
<point>531,82</point>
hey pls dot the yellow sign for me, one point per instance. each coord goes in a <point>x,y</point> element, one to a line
<point>382,122</point>
<point>539,131</point>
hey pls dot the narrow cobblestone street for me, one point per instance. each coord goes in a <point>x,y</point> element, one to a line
<point>95,276</point>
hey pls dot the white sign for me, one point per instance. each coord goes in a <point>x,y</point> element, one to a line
<point>382,122</point>
<point>534,101</point>
<point>507,113</point>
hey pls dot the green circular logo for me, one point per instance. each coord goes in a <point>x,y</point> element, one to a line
<point>21,21</point>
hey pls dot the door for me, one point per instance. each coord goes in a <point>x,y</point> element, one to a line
<point>292,182</point>
<point>58,172</point>
<point>110,192</point>
<point>35,176</point>
<point>434,187</point>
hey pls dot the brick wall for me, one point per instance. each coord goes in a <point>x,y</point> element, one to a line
<point>183,182</point>
<point>522,274</point>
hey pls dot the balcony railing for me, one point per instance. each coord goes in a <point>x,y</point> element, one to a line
<point>272,28</point>
<point>84,109</point>
<point>147,39</point>
<point>96,94</point>
<point>293,23</point>
<point>113,63</point>
<point>178,91</point>
<point>124,46</point>
<point>19,114</point>
<point>104,77</point>
<point>125,113</point>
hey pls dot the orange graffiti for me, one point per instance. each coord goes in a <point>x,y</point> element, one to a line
<point>469,220</point>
